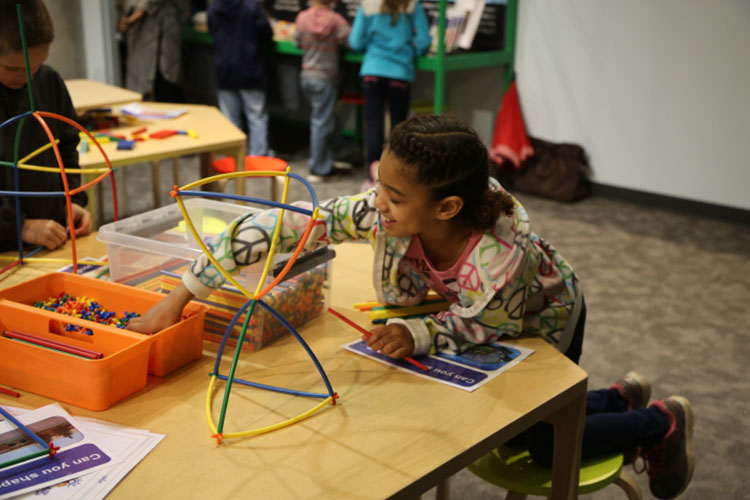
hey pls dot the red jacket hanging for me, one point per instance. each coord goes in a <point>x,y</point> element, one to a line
<point>510,141</point>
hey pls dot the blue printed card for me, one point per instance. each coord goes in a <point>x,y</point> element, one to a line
<point>468,371</point>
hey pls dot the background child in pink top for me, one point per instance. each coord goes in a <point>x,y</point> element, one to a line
<point>320,31</point>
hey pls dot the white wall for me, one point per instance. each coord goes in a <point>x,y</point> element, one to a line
<point>65,53</point>
<point>657,92</point>
<point>102,58</point>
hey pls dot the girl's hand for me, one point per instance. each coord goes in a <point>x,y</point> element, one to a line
<point>164,314</point>
<point>392,340</point>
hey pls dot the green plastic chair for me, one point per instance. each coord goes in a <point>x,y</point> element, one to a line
<point>513,469</point>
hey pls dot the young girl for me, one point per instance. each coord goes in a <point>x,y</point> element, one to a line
<point>438,221</point>
<point>391,33</point>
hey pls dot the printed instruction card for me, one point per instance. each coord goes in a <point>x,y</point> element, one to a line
<point>77,455</point>
<point>468,370</point>
<point>126,446</point>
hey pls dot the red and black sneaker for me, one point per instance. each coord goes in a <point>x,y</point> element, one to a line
<point>635,388</point>
<point>670,462</point>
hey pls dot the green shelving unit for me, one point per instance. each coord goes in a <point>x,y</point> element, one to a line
<point>440,63</point>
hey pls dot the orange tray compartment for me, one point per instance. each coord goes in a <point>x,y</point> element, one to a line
<point>171,348</point>
<point>95,384</point>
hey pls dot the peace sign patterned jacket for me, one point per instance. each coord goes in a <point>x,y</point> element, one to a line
<point>512,282</point>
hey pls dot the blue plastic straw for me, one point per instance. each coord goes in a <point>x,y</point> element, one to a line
<point>275,388</point>
<point>38,194</point>
<point>301,341</point>
<point>236,197</point>
<point>25,429</point>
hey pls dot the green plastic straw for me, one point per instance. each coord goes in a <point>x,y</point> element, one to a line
<point>230,377</point>
<point>23,459</point>
<point>26,57</point>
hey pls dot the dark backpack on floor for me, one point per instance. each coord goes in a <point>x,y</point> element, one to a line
<point>556,171</point>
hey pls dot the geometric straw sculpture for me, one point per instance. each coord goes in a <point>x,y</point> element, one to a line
<point>255,299</point>
<point>60,168</point>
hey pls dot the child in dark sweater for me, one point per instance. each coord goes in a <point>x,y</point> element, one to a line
<point>43,218</point>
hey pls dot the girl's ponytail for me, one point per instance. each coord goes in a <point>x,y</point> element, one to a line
<point>490,206</point>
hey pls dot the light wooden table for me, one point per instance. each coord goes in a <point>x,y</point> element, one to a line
<point>391,434</point>
<point>215,135</point>
<point>88,94</point>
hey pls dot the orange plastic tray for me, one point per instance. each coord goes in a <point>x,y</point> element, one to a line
<point>171,348</point>
<point>93,384</point>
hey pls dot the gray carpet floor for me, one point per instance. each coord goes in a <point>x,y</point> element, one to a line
<point>668,294</point>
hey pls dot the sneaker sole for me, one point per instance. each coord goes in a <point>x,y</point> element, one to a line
<point>689,422</point>
<point>645,386</point>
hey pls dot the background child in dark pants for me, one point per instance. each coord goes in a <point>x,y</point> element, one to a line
<point>392,33</point>
<point>240,29</point>
<point>319,33</point>
<point>43,219</point>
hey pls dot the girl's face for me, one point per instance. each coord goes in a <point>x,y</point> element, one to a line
<point>405,208</point>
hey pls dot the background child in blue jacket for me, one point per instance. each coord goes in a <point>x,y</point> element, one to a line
<point>239,29</point>
<point>392,33</point>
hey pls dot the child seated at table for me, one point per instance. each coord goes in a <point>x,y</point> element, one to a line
<point>438,221</point>
<point>42,218</point>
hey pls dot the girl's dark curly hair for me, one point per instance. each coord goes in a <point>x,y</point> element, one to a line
<point>448,158</point>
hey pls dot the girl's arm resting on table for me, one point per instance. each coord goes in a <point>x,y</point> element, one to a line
<point>447,331</point>
<point>164,314</point>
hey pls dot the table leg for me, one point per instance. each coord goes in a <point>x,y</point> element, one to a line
<point>239,160</point>
<point>122,201</point>
<point>156,183</point>
<point>176,171</point>
<point>442,490</point>
<point>205,165</point>
<point>566,465</point>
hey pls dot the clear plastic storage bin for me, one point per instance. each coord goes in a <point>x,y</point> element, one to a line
<point>153,249</point>
<point>160,237</point>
